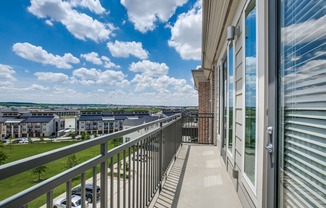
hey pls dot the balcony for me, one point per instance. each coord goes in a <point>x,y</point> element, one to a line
<point>164,171</point>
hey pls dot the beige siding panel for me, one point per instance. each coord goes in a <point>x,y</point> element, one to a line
<point>244,197</point>
<point>238,58</point>
<point>238,71</point>
<point>238,86</point>
<point>238,116</point>
<point>230,170</point>
<point>239,145</point>
<point>238,130</point>
<point>238,159</point>
<point>239,101</point>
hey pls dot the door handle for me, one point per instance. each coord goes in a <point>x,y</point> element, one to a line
<point>269,146</point>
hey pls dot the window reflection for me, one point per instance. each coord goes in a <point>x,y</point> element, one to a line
<point>230,106</point>
<point>250,94</point>
<point>302,103</point>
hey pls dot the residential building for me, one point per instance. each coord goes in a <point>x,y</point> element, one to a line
<point>129,123</point>
<point>17,125</point>
<point>104,122</point>
<point>263,77</point>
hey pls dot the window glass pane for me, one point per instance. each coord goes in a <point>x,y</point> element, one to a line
<point>302,103</point>
<point>250,95</point>
<point>225,90</point>
<point>230,107</point>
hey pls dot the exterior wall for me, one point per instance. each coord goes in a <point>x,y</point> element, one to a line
<point>203,107</point>
<point>250,197</point>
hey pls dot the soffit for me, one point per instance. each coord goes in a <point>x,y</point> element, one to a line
<point>198,76</point>
<point>216,17</point>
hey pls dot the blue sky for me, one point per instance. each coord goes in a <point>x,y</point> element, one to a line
<point>96,51</point>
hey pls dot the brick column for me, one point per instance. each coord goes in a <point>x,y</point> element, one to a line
<point>203,107</point>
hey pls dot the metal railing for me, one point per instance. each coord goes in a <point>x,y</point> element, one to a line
<point>149,157</point>
<point>197,127</point>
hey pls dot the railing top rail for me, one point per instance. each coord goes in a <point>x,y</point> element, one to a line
<point>19,166</point>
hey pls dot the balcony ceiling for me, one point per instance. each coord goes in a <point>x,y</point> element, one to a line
<point>217,16</point>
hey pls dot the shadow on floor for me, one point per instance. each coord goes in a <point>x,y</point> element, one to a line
<point>170,193</point>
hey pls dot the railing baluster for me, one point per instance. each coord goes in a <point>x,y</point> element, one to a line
<point>68,194</point>
<point>141,174</point>
<point>83,190</point>
<point>112,182</point>
<point>118,180</point>
<point>104,176</point>
<point>137,188</point>
<point>129,178</point>
<point>95,187</point>
<point>124,178</point>
<point>49,199</point>
<point>134,177</point>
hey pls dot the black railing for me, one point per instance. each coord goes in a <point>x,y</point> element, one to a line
<point>197,127</point>
<point>134,185</point>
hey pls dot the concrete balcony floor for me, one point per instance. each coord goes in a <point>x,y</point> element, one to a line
<point>198,178</point>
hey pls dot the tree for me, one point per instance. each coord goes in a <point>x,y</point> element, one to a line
<point>71,161</point>
<point>10,141</point>
<point>95,135</point>
<point>117,141</point>
<point>39,171</point>
<point>73,135</point>
<point>3,157</point>
<point>82,136</point>
<point>87,136</point>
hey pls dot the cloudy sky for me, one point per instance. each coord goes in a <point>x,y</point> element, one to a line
<point>97,51</point>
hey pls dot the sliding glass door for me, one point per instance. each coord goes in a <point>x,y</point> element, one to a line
<point>302,103</point>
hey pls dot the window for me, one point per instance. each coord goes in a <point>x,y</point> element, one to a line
<point>230,96</point>
<point>302,103</point>
<point>250,93</point>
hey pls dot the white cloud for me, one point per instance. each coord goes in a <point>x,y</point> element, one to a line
<point>5,84</point>
<point>93,5</point>
<point>100,90</point>
<point>80,25</point>
<point>145,14</point>
<point>6,73</point>
<point>108,64</point>
<point>149,68</point>
<point>48,22</point>
<point>93,76</point>
<point>37,54</point>
<point>51,77</point>
<point>304,32</point>
<point>186,33</point>
<point>92,57</point>
<point>125,49</point>
<point>35,87</point>
<point>163,85</point>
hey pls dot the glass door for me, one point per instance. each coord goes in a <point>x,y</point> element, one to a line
<point>301,108</point>
<point>224,113</point>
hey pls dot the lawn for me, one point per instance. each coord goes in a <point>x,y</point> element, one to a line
<point>17,183</point>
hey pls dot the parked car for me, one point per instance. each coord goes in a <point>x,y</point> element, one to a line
<point>89,192</point>
<point>23,141</point>
<point>140,157</point>
<point>75,202</point>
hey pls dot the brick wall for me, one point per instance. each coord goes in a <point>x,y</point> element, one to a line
<point>203,107</point>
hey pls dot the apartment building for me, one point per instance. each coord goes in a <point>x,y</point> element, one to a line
<point>104,122</point>
<point>129,123</point>
<point>18,125</point>
<point>263,77</point>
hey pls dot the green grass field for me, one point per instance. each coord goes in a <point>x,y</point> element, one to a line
<point>17,183</point>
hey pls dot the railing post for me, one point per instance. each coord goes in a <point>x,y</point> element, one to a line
<point>161,158</point>
<point>104,176</point>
